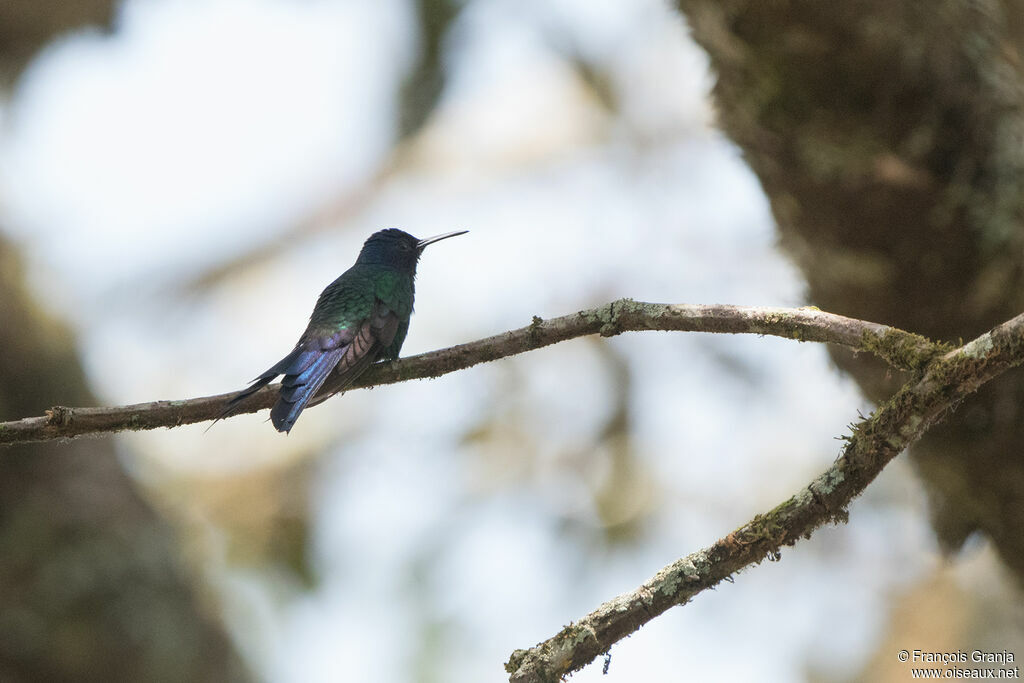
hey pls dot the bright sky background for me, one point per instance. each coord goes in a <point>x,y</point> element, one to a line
<point>131,162</point>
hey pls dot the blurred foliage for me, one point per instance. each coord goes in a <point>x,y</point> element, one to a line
<point>264,514</point>
<point>419,94</point>
<point>887,137</point>
<point>28,25</point>
<point>619,487</point>
<point>425,81</point>
<point>93,586</point>
<point>624,491</point>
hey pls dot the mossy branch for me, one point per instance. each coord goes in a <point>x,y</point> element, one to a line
<point>875,441</point>
<point>943,377</point>
<point>900,349</point>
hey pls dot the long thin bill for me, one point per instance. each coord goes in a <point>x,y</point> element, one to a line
<point>438,238</point>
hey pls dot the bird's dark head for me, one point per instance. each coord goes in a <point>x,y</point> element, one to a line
<point>396,248</point>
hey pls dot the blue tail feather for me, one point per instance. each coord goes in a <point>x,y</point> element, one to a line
<point>313,360</point>
<point>297,389</point>
<point>263,380</point>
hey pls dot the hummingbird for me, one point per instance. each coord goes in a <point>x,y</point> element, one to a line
<point>360,318</point>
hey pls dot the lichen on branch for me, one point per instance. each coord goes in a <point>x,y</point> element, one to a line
<point>900,349</point>
<point>944,381</point>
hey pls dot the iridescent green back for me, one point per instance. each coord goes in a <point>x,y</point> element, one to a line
<point>349,300</point>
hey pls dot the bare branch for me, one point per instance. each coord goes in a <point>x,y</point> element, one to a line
<point>900,349</point>
<point>874,442</point>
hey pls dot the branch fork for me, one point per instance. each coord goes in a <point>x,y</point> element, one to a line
<point>942,377</point>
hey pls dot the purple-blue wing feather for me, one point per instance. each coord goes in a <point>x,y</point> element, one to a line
<point>377,333</point>
<point>297,389</point>
<point>320,366</point>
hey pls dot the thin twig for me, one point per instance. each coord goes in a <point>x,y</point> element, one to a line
<point>875,441</point>
<point>900,349</point>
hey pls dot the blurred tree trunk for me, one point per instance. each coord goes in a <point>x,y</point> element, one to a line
<point>92,585</point>
<point>889,138</point>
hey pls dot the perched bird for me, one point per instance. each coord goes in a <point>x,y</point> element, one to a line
<point>361,317</point>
